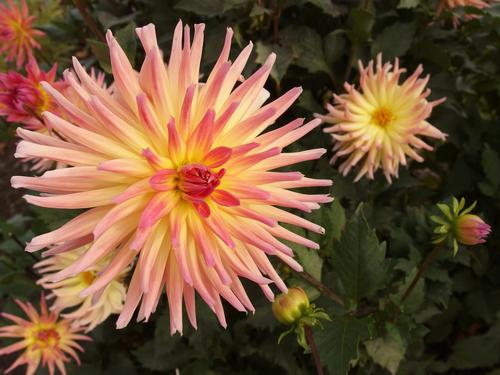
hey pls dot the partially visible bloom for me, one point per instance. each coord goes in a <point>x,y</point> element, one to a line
<point>290,307</point>
<point>44,338</point>
<point>293,308</point>
<point>178,176</point>
<point>90,310</point>
<point>459,226</point>
<point>449,5</point>
<point>22,98</point>
<point>17,35</point>
<point>379,124</point>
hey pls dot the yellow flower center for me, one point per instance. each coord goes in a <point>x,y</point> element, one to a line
<point>44,337</point>
<point>44,102</point>
<point>87,277</point>
<point>383,117</point>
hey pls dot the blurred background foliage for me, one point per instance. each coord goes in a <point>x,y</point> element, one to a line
<point>377,234</point>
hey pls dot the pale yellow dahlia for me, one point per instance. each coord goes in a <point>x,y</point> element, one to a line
<point>379,124</point>
<point>44,338</point>
<point>88,311</point>
<point>178,176</point>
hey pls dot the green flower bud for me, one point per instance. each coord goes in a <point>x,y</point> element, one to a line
<point>290,307</point>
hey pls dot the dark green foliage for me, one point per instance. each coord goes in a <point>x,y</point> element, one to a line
<point>377,234</point>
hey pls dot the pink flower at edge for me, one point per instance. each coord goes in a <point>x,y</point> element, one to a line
<point>178,178</point>
<point>22,98</point>
<point>17,35</point>
<point>44,338</point>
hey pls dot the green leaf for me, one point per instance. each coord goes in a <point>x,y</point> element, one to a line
<point>307,49</point>
<point>477,351</point>
<point>338,342</point>
<point>361,21</point>
<point>202,8</point>
<point>326,6</point>
<point>408,4</point>
<point>101,53</point>
<point>359,259</point>
<point>490,162</point>
<point>334,45</point>
<point>395,40</point>
<point>127,39</point>
<point>415,299</point>
<point>387,351</point>
<point>284,58</point>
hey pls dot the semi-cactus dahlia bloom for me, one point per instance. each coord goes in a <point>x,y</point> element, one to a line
<point>17,35</point>
<point>89,311</point>
<point>178,174</point>
<point>22,98</point>
<point>379,124</point>
<point>44,338</point>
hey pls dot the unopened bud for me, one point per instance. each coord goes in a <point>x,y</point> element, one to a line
<point>290,307</point>
<point>471,230</point>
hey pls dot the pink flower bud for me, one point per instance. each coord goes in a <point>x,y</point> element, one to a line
<point>290,307</point>
<point>471,230</point>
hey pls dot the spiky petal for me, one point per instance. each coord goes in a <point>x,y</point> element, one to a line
<point>378,125</point>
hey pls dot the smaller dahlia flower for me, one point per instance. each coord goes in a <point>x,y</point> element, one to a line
<point>44,339</point>
<point>379,124</point>
<point>459,226</point>
<point>90,310</point>
<point>449,5</point>
<point>17,35</point>
<point>22,98</point>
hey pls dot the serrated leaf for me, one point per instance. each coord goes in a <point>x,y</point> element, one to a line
<point>284,58</point>
<point>101,53</point>
<point>361,21</point>
<point>407,4</point>
<point>359,259</point>
<point>490,162</point>
<point>202,8</point>
<point>326,6</point>
<point>338,342</point>
<point>307,48</point>
<point>126,37</point>
<point>415,299</point>
<point>334,46</point>
<point>387,351</point>
<point>477,351</point>
<point>395,40</point>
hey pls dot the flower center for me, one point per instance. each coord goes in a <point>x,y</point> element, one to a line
<point>383,117</point>
<point>87,277</point>
<point>45,338</point>
<point>197,181</point>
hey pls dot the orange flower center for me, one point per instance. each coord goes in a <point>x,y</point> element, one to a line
<point>383,117</point>
<point>46,338</point>
<point>87,277</point>
<point>198,181</point>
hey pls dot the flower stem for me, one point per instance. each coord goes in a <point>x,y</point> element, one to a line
<point>314,349</point>
<point>82,8</point>
<point>310,279</point>
<point>421,270</point>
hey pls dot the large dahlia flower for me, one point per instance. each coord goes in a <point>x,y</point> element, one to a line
<point>44,338</point>
<point>176,174</point>
<point>89,311</point>
<point>17,35</point>
<point>379,124</point>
